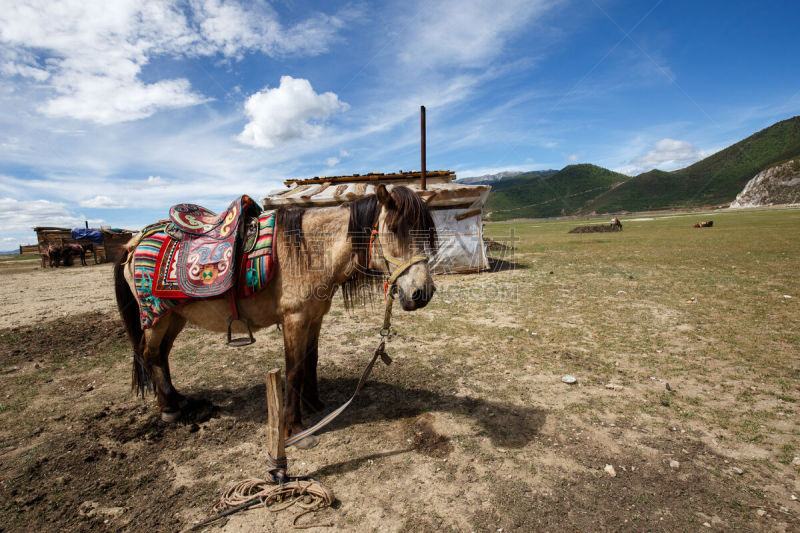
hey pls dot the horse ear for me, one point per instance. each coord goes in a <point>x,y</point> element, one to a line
<point>384,198</point>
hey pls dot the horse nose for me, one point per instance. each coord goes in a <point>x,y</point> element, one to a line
<point>423,295</point>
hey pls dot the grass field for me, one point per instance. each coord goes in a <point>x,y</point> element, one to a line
<point>709,308</point>
<point>471,428</point>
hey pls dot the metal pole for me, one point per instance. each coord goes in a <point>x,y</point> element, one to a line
<point>422,132</point>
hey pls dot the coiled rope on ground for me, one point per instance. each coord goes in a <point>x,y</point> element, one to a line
<point>310,495</point>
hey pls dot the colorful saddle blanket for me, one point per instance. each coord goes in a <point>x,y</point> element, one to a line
<point>207,250</point>
<point>157,267</point>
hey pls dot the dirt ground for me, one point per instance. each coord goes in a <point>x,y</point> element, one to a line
<point>684,415</point>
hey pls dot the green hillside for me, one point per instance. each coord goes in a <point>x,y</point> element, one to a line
<point>536,196</point>
<point>716,179</point>
<point>584,189</point>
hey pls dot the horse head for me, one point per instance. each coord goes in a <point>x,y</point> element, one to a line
<point>407,236</point>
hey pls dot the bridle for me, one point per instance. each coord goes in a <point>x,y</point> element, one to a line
<point>400,265</point>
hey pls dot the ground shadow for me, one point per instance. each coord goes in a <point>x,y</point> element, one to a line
<point>507,425</point>
<point>497,264</point>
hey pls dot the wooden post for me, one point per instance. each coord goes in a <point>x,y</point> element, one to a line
<point>276,420</point>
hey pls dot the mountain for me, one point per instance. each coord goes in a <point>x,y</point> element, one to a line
<point>490,179</point>
<point>776,185</point>
<point>586,189</point>
<point>714,180</point>
<point>562,193</point>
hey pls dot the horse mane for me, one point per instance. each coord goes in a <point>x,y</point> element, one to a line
<point>408,218</point>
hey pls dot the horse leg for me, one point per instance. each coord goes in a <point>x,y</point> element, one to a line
<point>296,335</point>
<point>155,358</point>
<point>310,391</point>
<point>177,323</point>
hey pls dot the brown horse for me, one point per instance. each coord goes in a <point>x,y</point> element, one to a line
<point>71,250</point>
<point>51,256</point>
<point>317,251</point>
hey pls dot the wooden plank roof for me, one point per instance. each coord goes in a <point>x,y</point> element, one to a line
<point>373,176</point>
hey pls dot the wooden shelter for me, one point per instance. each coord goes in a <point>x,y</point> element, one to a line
<point>111,250</point>
<point>456,208</point>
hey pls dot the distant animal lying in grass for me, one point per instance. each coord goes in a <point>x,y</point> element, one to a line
<point>597,228</point>
<point>706,224</point>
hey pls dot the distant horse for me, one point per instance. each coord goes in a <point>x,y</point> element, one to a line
<point>707,224</point>
<point>70,250</point>
<point>51,256</point>
<point>317,250</point>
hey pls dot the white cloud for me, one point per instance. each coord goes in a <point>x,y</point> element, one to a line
<point>573,158</point>
<point>291,111</point>
<point>332,161</point>
<point>231,28</point>
<point>103,202</point>
<point>466,33</point>
<point>18,218</point>
<point>155,180</point>
<point>91,52</point>
<point>668,154</point>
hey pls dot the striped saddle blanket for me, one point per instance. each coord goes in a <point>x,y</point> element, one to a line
<point>158,267</point>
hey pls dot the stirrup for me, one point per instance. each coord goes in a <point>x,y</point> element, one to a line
<point>240,341</point>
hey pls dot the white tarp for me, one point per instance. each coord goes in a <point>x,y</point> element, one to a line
<point>461,247</point>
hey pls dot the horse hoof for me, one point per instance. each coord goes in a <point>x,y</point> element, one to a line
<point>307,443</point>
<point>170,416</point>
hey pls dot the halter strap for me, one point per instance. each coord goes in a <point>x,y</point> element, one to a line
<point>400,265</point>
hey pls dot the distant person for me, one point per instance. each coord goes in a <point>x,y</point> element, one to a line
<point>615,223</point>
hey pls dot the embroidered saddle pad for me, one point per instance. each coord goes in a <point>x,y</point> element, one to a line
<point>207,251</point>
<point>157,264</point>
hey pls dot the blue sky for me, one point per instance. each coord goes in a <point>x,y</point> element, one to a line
<point>113,111</point>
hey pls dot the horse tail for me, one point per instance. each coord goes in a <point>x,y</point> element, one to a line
<point>129,311</point>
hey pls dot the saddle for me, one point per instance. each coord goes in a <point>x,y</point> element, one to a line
<point>208,245</point>
<point>199,254</point>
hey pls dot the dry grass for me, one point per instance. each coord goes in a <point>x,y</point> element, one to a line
<point>471,428</point>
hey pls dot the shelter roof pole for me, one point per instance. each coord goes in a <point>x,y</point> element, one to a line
<point>422,133</point>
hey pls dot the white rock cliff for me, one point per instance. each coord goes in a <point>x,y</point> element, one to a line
<point>774,186</point>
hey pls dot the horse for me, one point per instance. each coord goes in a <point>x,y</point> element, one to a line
<point>317,251</point>
<point>88,247</point>
<point>51,256</point>
<point>706,224</point>
<point>70,250</point>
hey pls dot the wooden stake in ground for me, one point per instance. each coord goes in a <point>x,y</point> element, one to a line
<point>305,492</point>
<point>276,422</point>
